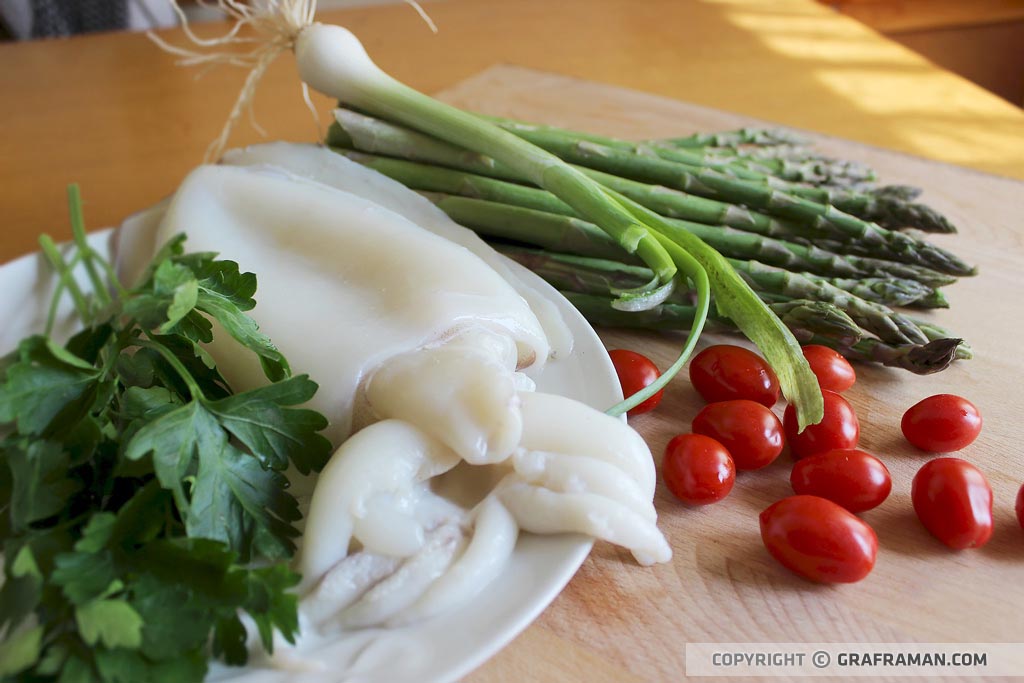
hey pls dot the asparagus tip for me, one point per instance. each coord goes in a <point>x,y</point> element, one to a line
<point>934,356</point>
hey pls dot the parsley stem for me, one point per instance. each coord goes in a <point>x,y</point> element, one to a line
<point>66,281</point>
<point>78,234</point>
<point>193,388</point>
<point>111,275</point>
<point>51,313</point>
<point>112,351</point>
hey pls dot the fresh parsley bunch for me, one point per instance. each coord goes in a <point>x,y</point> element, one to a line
<point>143,505</point>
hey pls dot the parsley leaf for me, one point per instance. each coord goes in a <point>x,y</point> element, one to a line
<point>271,605</point>
<point>173,439</point>
<point>175,621</point>
<point>144,508</point>
<point>40,385</point>
<point>233,498</point>
<point>110,621</point>
<point>22,590</point>
<point>20,650</point>
<point>41,485</point>
<point>237,501</point>
<point>84,576</point>
<point>274,433</point>
<point>171,296</point>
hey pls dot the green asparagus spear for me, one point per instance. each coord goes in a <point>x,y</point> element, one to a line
<point>935,299</point>
<point>783,160</point>
<point>808,170</point>
<point>743,136</point>
<point>806,319</point>
<point>935,332</point>
<point>887,291</point>
<point>818,319</point>
<point>905,192</point>
<point>584,274</point>
<point>890,326</point>
<point>881,268</point>
<point>887,209</point>
<point>555,232</point>
<point>784,152</point>
<point>921,359</point>
<point>352,130</point>
<point>430,178</point>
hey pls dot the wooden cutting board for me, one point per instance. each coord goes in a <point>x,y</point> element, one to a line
<point>620,622</point>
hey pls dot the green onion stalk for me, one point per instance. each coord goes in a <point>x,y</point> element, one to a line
<point>331,60</point>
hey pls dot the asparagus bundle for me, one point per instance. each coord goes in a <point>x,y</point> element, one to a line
<point>830,277</point>
<point>791,217</point>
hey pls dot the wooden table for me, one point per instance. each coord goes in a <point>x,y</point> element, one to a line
<point>112,113</point>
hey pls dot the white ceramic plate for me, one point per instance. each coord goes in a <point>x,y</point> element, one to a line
<point>451,645</point>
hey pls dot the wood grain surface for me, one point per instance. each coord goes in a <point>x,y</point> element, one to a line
<point>114,114</point>
<point>620,622</point>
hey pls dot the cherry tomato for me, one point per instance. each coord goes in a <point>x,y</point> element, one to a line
<point>942,423</point>
<point>846,476</point>
<point>819,540</point>
<point>832,370</point>
<point>635,372</point>
<point>839,428</point>
<point>724,373</point>
<point>749,431</point>
<point>697,469</point>
<point>953,500</point>
<point>1020,507</point>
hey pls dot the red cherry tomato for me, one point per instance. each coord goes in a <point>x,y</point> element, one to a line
<point>942,423</point>
<point>1020,507</point>
<point>635,372</point>
<point>846,476</point>
<point>953,500</point>
<point>749,431</point>
<point>697,469</point>
<point>724,373</point>
<point>819,540</point>
<point>839,428</point>
<point>832,370</point>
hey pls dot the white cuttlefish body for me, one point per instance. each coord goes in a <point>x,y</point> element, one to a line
<point>422,342</point>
